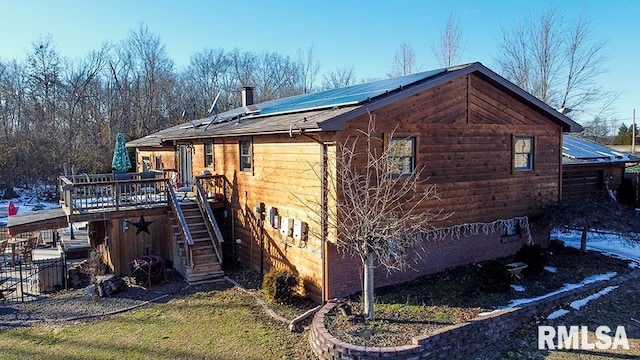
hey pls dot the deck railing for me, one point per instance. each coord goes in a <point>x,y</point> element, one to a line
<point>205,209</point>
<point>83,193</point>
<point>183,227</point>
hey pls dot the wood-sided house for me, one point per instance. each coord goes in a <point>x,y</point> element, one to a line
<point>493,151</point>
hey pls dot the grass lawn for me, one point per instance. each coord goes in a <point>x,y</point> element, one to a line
<point>224,324</point>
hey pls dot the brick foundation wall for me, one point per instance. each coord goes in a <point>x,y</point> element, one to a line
<point>453,342</point>
<point>344,274</point>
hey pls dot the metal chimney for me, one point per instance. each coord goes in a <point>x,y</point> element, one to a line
<point>247,95</point>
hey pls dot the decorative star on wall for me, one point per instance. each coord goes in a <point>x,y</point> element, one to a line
<point>141,225</point>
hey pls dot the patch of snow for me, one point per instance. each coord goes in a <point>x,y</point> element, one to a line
<point>566,287</point>
<point>558,313</point>
<point>608,244</point>
<point>517,287</point>
<point>582,302</point>
<point>551,269</point>
<point>26,202</point>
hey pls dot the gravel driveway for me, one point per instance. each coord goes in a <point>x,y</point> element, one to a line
<point>77,306</point>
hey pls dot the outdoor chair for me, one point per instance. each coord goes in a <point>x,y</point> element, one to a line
<point>147,188</point>
<point>125,190</point>
<point>26,252</point>
<point>4,257</point>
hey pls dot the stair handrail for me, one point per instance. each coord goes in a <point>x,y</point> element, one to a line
<point>174,203</point>
<point>211,223</point>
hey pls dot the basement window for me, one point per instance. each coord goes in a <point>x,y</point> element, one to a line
<point>403,155</point>
<point>245,155</point>
<point>523,150</point>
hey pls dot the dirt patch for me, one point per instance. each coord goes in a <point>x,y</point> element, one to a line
<point>454,296</point>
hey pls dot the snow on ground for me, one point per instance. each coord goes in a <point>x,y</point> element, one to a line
<point>551,269</point>
<point>580,303</point>
<point>517,288</point>
<point>608,244</point>
<point>566,287</point>
<point>27,201</point>
<point>558,313</point>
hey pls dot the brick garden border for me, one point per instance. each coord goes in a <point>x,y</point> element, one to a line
<point>456,341</point>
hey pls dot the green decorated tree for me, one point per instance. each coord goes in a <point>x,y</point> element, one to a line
<point>120,160</point>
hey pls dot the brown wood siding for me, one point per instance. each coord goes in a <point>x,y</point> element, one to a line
<point>464,137</point>
<point>464,134</point>
<point>285,175</point>
<point>167,158</point>
<point>471,161</point>
<point>122,247</point>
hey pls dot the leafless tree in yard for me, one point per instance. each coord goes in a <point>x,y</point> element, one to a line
<point>597,212</point>
<point>449,50</point>
<point>340,77</point>
<point>379,214</point>
<point>404,61</point>
<point>556,60</point>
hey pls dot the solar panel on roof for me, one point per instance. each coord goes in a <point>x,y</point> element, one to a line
<point>582,149</point>
<point>349,95</point>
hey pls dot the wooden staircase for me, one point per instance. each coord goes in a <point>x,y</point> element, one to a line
<point>204,266</point>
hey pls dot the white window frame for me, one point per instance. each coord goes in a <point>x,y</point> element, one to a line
<point>523,159</point>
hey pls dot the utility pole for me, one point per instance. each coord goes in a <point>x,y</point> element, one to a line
<point>633,133</point>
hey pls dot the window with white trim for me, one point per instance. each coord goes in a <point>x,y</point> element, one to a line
<point>523,150</point>
<point>208,154</point>
<point>245,155</point>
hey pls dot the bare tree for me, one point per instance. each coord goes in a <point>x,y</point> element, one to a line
<point>555,60</point>
<point>598,212</point>
<point>340,77</point>
<point>208,74</point>
<point>404,61</point>
<point>147,73</point>
<point>449,50</point>
<point>275,76</point>
<point>379,216</point>
<point>308,69</point>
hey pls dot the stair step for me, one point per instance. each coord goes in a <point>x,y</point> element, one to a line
<point>204,258</point>
<point>205,275</point>
<point>206,278</point>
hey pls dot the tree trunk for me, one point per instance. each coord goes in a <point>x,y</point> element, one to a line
<point>367,290</point>
<point>583,239</point>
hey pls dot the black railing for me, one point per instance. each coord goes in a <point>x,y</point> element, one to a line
<point>29,281</point>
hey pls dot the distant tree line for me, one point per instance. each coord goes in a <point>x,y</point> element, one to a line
<point>55,110</point>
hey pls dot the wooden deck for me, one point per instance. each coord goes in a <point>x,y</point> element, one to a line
<point>102,196</point>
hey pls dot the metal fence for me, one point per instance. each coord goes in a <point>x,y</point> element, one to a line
<point>28,281</point>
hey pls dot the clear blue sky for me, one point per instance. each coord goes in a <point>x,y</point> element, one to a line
<point>364,34</point>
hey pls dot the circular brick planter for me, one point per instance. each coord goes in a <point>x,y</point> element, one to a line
<point>453,342</point>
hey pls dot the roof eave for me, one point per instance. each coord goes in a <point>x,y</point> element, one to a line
<point>338,123</point>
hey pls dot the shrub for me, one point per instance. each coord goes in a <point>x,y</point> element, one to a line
<point>626,193</point>
<point>494,277</point>
<point>532,255</point>
<point>556,246</point>
<point>278,285</point>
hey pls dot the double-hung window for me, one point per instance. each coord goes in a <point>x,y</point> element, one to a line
<point>208,154</point>
<point>523,151</point>
<point>245,155</point>
<point>402,156</point>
